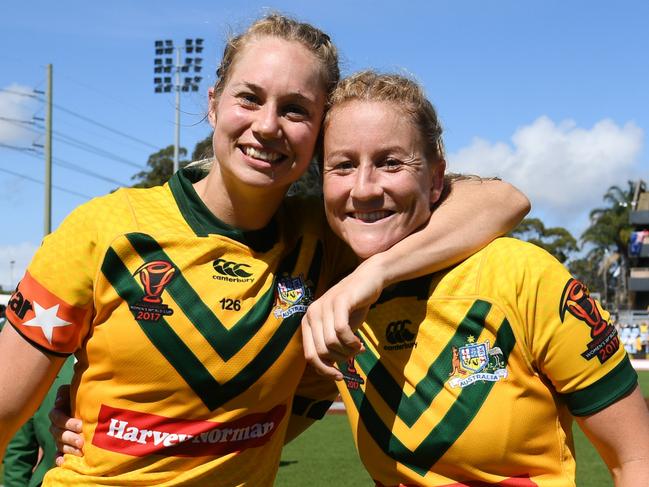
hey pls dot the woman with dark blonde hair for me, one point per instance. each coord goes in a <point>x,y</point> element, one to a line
<point>471,375</point>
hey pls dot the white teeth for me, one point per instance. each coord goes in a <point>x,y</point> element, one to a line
<point>260,154</point>
<point>371,217</point>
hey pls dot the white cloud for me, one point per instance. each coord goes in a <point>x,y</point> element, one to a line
<point>564,169</point>
<point>20,254</point>
<point>14,107</point>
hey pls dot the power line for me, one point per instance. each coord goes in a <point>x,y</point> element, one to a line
<point>66,164</point>
<point>105,127</point>
<point>15,120</point>
<point>29,178</point>
<point>16,148</point>
<point>75,167</point>
<point>83,117</point>
<point>21,93</point>
<point>67,139</point>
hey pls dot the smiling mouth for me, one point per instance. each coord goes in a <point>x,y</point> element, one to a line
<point>262,155</point>
<point>370,216</point>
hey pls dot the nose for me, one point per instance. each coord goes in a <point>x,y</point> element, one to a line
<point>267,122</point>
<point>366,184</point>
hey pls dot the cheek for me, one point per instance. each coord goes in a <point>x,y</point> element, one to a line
<point>335,192</point>
<point>305,137</point>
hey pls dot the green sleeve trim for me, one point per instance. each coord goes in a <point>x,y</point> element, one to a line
<point>616,384</point>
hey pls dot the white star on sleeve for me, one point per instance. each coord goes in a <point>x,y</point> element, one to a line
<point>46,319</point>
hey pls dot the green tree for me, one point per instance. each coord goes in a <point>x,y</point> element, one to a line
<point>556,240</point>
<point>159,167</point>
<point>588,270</point>
<point>203,149</point>
<point>609,232</point>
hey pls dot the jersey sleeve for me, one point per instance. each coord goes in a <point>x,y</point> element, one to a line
<point>314,395</point>
<point>568,334</point>
<point>52,305</point>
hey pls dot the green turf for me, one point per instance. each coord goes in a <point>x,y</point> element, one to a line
<point>323,456</point>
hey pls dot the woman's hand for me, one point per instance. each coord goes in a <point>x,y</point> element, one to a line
<point>65,430</point>
<point>330,322</point>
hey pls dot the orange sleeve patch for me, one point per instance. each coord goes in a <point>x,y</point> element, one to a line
<point>45,319</point>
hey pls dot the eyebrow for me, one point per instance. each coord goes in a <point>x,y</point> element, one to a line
<point>382,151</point>
<point>293,95</point>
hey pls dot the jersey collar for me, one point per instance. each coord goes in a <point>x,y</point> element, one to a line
<point>203,222</point>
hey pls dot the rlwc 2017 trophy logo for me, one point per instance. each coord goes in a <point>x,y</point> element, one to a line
<point>154,276</point>
<point>476,361</point>
<point>291,296</point>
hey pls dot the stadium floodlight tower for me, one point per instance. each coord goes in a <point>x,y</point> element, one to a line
<point>185,68</point>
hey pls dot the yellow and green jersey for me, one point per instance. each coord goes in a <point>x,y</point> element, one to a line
<point>185,330</point>
<point>472,375</point>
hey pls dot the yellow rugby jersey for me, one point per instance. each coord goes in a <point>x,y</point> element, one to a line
<point>185,330</point>
<point>471,375</point>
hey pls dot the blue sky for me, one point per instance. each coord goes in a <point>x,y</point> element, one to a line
<point>550,95</point>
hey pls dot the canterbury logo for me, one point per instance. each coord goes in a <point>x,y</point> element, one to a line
<point>229,268</point>
<point>397,332</point>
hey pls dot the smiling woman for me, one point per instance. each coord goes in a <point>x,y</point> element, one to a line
<point>471,375</point>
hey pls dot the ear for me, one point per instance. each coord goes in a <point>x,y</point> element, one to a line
<point>437,182</point>
<point>211,106</point>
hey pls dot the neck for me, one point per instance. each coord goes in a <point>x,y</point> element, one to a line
<point>246,209</point>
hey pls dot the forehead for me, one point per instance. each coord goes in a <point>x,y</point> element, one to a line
<point>370,124</point>
<point>274,63</point>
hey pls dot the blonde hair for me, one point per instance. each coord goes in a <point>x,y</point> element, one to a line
<point>286,28</point>
<point>405,93</point>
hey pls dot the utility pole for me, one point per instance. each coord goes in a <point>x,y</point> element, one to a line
<point>177,139</point>
<point>164,65</point>
<point>48,154</point>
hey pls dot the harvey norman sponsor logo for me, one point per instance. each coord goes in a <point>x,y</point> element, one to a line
<point>139,434</point>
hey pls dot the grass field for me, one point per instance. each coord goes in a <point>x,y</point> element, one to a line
<point>325,456</point>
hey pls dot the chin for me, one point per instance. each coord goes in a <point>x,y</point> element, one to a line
<point>365,250</point>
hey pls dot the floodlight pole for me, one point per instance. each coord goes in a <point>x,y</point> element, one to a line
<point>163,83</point>
<point>48,155</point>
<point>177,143</point>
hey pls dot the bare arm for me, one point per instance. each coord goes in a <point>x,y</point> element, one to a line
<point>472,213</point>
<point>26,374</point>
<point>621,435</point>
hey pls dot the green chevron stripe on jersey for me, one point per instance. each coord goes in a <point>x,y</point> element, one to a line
<point>448,430</point>
<point>162,335</point>
<point>224,342</point>
<point>410,408</point>
<point>180,356</point>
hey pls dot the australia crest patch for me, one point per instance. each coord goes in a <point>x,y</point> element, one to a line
<point>292,295</point>
<point>476,361</point>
